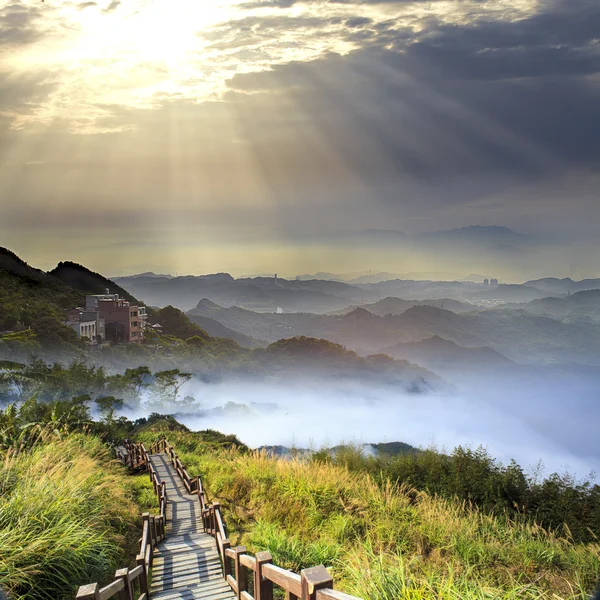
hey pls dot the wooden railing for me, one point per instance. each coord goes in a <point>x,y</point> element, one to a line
<point>130,584</point>
<point>243,571</point>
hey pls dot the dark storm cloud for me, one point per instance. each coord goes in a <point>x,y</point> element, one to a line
<point>504,98</point>
<point>562,41</point>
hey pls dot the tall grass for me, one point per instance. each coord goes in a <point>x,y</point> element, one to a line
<point>385,542</point>
<point>66,518</point>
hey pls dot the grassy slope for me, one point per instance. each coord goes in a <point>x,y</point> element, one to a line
<point>382,542</point>
<point>68,516</point>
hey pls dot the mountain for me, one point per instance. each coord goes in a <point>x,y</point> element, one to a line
<point>32,305</point>
<point>322,358</point>
<point>263,326</point>
<point>263,294</point>
<point>397,306</point>
<point>564,286</point>
<point>488,235</point>
<point>444,355</point>
<point>145,274</point>
<point>417,290</point>
<point>491,235</point>
<point>581,304</point>
<point>82,279</point>
<point>216,329</point>
<point>514,333</point>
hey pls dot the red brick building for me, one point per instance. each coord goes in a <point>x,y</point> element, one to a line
<point>124,322</point>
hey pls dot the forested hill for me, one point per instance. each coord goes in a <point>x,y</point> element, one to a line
<point>32,305</point>
<point>82,279</point>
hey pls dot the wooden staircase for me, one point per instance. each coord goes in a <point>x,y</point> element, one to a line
<point>185,553</point>
<point>186,565</point>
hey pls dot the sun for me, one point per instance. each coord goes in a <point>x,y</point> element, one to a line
<point>156,30</point>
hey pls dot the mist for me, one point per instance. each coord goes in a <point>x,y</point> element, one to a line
<point>529,417</point>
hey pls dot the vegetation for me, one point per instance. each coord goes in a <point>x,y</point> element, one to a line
<point>67,516</point>
<point>560,503</point>
<point>383,540</point>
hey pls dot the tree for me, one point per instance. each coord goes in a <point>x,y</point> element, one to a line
<point>167,385</point>
<point>107,405</point>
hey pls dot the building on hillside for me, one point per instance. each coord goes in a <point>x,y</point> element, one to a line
<point>156,327</point>
<point>87,324</point>
<point>123,322</point>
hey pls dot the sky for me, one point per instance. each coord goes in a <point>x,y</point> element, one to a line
<point>243,135</point>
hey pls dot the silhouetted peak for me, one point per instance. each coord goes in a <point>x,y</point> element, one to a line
<point>206,304</point>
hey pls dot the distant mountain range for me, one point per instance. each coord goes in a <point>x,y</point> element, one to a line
<point>274,294</point>
<point>263,294</point>
<point>479,235</point>
<point>514,333</point>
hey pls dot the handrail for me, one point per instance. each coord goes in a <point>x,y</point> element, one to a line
<point>153,531</point>
<point>314,583</point>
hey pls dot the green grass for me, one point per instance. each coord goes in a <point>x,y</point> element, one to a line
<point>382,541</point>
<point>67,517</point>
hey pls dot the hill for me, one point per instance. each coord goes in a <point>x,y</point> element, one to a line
<point>320,357</point>
<point>396,306</point>
<point>216,329</point>
<point>580,304</point>
<point>31,305</point>
<point>82,279</point>
<point>443,355</point>
<point>514,333</point>
<point>384,537</point>
<point>564,286</point>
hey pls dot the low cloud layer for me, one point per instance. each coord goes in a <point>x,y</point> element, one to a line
<point>547,416</point>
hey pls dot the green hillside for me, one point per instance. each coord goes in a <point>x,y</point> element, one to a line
<point>83,280</point>
<point>381,540</point>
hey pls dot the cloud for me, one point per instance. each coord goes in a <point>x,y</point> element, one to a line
<point>364,111</point>
<point>113,5</point>
<point>18,24</point>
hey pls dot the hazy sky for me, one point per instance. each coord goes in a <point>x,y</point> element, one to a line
<point>201,135</point>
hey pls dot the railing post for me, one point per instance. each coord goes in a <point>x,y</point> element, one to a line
<point>146,517</point>
<point>91,591</point>
<point>313,579</point>
<point>263,588</point>
<point>226,559</point>
<point>140,560</point>
<point>153,536</point>
<point>127,592</point>
<point>217,511</point>
<point>241,572</point>
<point>212,520</point>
